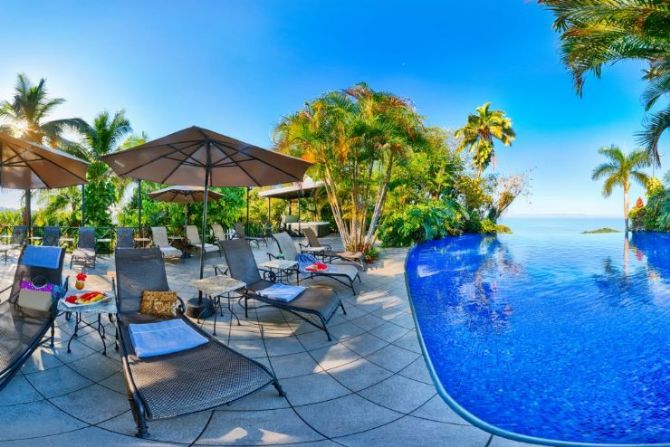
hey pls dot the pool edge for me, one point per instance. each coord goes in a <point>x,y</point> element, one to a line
<point>474,420</point>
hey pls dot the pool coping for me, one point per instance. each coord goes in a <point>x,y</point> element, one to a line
<point>474,420</point>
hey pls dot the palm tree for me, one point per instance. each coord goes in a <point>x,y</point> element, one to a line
<point>24,117</point>
<point>596,33</point>
<point>26,113</point>
<point>618,170</point>
<point>480,131</point>
<point>103,136</point>
<point>355,138</point>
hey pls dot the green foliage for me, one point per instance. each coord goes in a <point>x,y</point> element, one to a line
<point>10,218</point>
<point>604,230</point>
<point>418,222</point>
<point>478,134</point>
<point>174,216</point>
<point>655,215</point>
<point>597,33</point>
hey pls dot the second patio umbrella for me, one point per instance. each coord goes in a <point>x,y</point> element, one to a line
<point>200,157</point>
<point>26,165</point>
<point>184,194</point>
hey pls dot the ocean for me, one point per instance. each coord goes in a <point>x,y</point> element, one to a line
<point>560,225</point>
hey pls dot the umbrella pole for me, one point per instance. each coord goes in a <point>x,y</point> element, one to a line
<point>246,229</point>
<point>196,306</point>
<point>139,208</point>
<point>269,214</point>
<point>83,205</point>
<point>28,218</point>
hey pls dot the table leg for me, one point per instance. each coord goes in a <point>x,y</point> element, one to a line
<point>77,317</point>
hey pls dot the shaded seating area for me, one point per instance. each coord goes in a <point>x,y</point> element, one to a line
<point>22,329</point>
<point>85,254</point>
<point>326,252</point>
<point>51,236</point>
<point>159,238</point>
<point>317,301</point>
<point>194,238</point>
<point>17,240</point>
<point>125,237</point>
<point>183,382</point>
<point>241,233</point>
<point>345,274</point>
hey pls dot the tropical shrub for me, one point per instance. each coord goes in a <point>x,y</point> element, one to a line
<point>433,219</point>
<point>356,138</point>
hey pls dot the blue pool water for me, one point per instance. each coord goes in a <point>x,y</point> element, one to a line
<point>559,336</point>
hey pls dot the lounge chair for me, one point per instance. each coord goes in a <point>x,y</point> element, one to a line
<point>184,382</point>
<point>194,239</point>
<point>326,252</point>
<point>85,253</point>
<point>125,237</point>
<point>342,273</point>
<point>160,240</point>
<point>18,240</point>
<point>22,330</point>
<point>241,233</point>
<point>51,237</point>
<point>219,234</point>
<point>319,301</point>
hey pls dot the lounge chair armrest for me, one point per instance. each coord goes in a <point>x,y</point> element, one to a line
<point>181,307</point>
<point>272,256</point>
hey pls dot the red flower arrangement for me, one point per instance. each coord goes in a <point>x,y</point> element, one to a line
<point>81,277</point>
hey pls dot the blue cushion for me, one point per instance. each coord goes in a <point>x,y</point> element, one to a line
<point>45,257</point>
<point>164,337</point>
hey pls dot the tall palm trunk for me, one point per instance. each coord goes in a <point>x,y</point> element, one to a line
<point>626,203</point>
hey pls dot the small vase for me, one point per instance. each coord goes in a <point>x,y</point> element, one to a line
<point>79,285</point>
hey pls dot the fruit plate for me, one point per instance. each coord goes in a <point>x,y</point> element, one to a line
<point>104,298</point>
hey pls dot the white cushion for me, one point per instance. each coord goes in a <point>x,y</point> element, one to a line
<point>171,252</point>
<point>208,247</point>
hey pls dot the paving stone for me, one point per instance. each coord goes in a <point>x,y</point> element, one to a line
<point>293,365</point>
<point>41,360</point>
<point>393,358</point>
<point>18,391</point>
<point>359,374</point>
<point>257,427</point>
<point>502,442</point>
<point>417,370</point>
<point>91,436</point>
<point>334,356</point>
<point>312,388</point>
<point>96,367</point>
<point>437,410</point>
<point>34,420</point>
<point>413,432</point>
<point>92,404</point>
<point>57,381</point>
<point>346,415</point>
<point>365,344</point>
<point>399,393</point>
<point>182,430</point>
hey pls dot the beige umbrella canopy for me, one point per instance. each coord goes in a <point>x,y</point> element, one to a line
<point>184,194</point>
<point>25,165</point>
<point>200,157</point>
<point>187,157</point>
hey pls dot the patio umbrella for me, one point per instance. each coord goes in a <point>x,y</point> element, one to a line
<point>26,165</point>
<point>200,157</point>
<point>184,194</point>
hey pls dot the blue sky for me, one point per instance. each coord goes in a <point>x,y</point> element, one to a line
<point>238,66</point>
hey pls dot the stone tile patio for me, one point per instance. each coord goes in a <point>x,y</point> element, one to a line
<point>368,387</point>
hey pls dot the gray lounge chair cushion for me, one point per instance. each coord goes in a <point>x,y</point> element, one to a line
<point>83,253</point>
<point>351,271</point>
<point>171,252</point>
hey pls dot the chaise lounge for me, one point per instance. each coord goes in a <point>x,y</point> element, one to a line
<point>183,382</point>
<point>23,330</point>
<point>342,273</point>
<point>326,252</point>
<point>160,240</point>
<point>318,301</point>
<point>85,253</point>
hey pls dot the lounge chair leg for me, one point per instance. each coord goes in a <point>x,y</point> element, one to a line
<point>138,415</point>
<point>246,307</point>
<point>344,311</point>
<point>53,332</point>
<point>280,390</point>
<point>325,328</point>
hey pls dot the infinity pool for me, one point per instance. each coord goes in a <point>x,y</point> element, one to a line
<point>539,338</point>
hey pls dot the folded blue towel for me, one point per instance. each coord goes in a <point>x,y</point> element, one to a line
<point>39,256</point>
<point>165,337</point>
<point>282,292</point>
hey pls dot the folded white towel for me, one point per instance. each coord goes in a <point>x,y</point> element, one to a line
<point>282,292</point>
